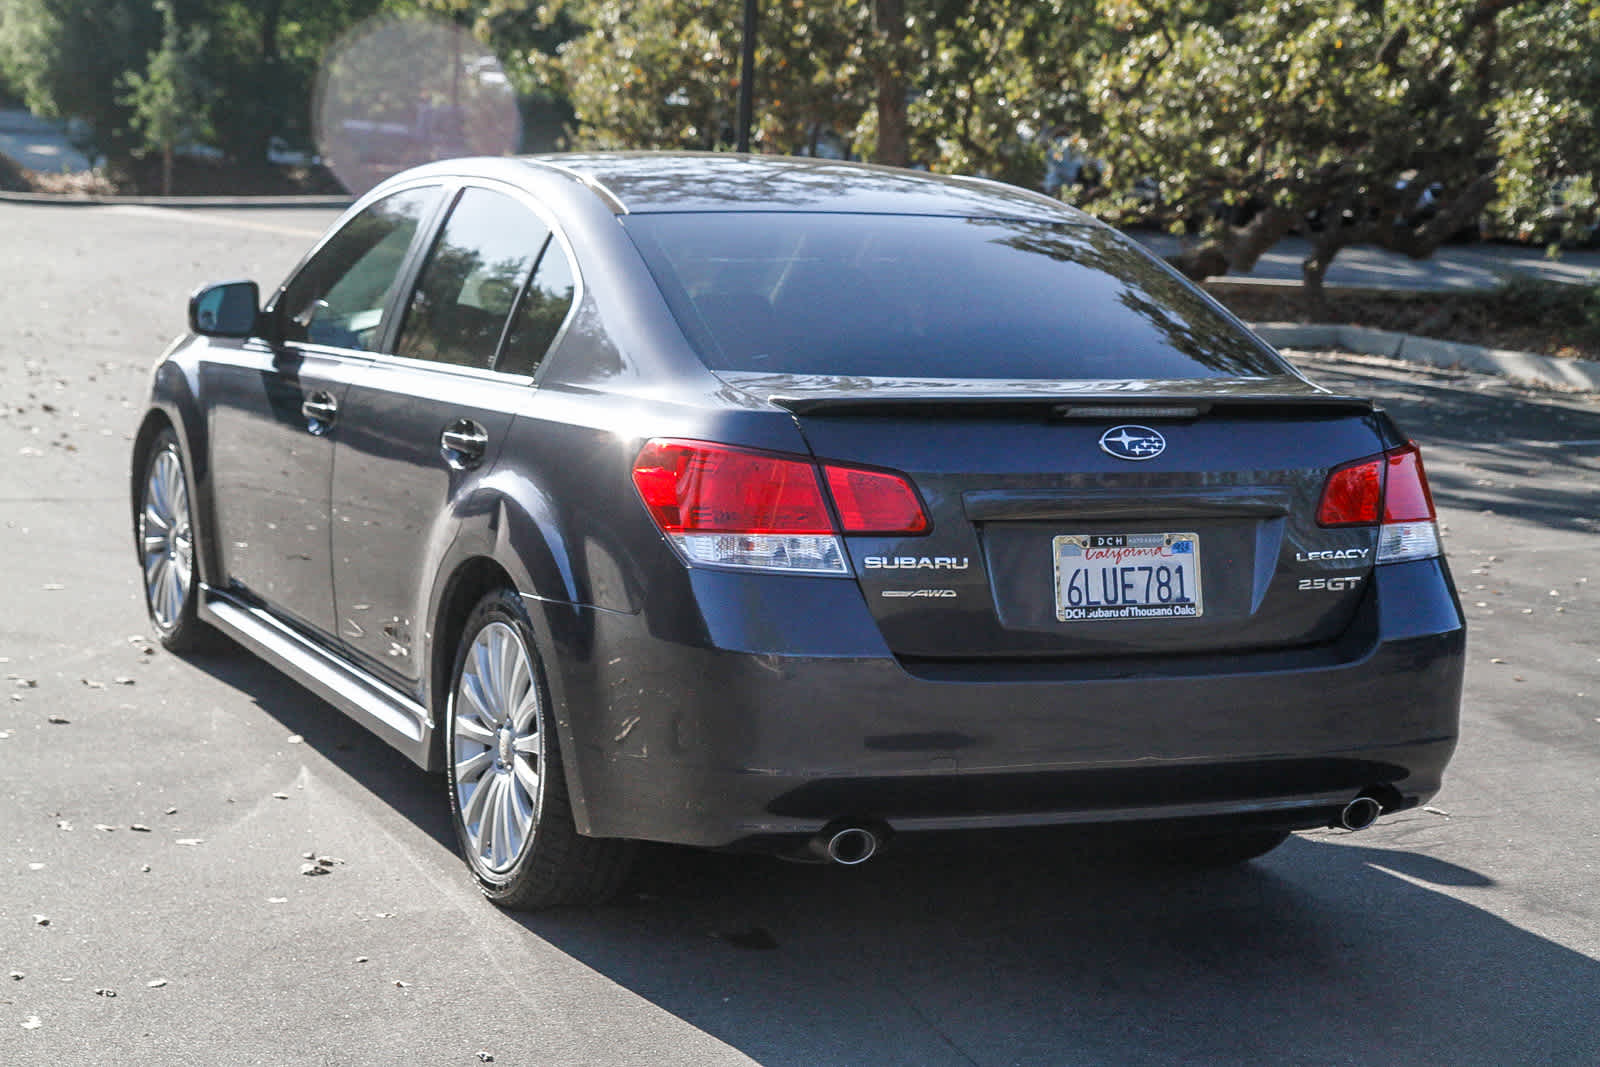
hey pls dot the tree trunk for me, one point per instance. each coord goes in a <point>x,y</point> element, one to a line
<point>1314,268</point>
<point>166,170</point>
<point>893,142</point>
<point>1237,247</point>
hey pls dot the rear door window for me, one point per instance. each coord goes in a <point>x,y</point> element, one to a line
<point>544,308</point>
<point>471,282</point>
<point>934,297</point>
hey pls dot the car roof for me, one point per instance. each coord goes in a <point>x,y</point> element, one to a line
<point>651,182</point>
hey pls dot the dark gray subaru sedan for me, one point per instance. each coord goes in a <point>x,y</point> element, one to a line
<point>787,505</point>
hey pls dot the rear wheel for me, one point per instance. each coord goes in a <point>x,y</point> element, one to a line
<point>508,794</point>
<point>167,548</point>
<point>1223,850</point>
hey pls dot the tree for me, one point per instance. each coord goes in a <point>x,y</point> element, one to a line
<point>68,58</point>
<point>1364,121</point>
<point>166,100</point>
<point>664,74</point>
<point>661,74</point>
<point>942,83</point>
<point>1000,81</point>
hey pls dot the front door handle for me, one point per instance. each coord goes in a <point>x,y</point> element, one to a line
<point>463,443</point>
<point>320,409</point>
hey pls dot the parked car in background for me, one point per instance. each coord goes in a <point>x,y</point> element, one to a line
<point>789,505</point>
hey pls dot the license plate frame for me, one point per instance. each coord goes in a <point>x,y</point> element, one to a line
<point>1111,576</point>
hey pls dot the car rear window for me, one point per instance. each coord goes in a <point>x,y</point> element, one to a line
<point>936,297</point>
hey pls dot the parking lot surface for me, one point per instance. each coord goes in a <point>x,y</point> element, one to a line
<point>158,811</point>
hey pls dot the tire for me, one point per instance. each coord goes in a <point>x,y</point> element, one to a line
<point>1222,850</point>
<point>168,549</point>
<point>508,793</point>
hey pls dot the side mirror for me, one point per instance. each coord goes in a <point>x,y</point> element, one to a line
<point>226,310</point>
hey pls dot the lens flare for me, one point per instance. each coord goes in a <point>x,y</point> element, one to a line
<point>396,92</point>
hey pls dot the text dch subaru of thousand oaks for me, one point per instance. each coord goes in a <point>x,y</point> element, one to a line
<point>786,504</point>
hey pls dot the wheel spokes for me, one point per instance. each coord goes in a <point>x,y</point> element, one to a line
<point>497,747</point>
<point>527,776</point>
<point>164,535</point>
<point>468,728</point>
<point>471,769</point>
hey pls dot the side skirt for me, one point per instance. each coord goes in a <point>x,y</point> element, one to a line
<point>393,716</point>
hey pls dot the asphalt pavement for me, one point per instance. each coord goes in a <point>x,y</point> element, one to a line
<point>159,810</point>
<point>1453,267</point>
<point>39,144</point>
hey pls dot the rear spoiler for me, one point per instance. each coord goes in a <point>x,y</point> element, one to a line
<point>1289,395</point>
<point>1090,408</point>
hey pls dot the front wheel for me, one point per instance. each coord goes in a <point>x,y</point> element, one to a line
<point>168,547</point>
<point>508,794</point>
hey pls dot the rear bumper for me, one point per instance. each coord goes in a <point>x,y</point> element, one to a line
<point>722,741</point>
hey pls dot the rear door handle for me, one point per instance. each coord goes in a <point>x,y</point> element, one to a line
<point>320,409</point>
<point>463,443</point>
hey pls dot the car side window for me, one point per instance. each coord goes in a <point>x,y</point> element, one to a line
<point>339,298</point>
<point>468,287</point>
<point>543,309</point>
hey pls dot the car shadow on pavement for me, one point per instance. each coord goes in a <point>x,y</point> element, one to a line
<point>411,791</point>
<point>1039,948</point>
<point>1043,946</point>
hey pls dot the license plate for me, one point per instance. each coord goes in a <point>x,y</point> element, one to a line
<point>1104,576</point>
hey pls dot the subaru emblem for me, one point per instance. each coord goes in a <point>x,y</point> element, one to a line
<point>1132,442</point>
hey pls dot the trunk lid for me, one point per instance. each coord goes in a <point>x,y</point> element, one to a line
<point>1045,545</point>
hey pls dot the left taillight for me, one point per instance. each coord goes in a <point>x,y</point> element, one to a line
<point>1392,486</point>
<point>737,507</point>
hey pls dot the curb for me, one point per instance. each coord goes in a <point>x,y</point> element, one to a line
<point>59,200</point>
<point>1552,372</point>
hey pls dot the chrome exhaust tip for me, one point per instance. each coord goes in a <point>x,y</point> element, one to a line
<point>1360,813</point>
<point>851,846</point>
<point>848,843</point>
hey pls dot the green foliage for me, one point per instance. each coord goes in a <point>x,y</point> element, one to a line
<point>983,84</point>
<point>999,81</point>
<point>167,101</point>
<point>664,73</point>
<point>68,58</point>
<point>1254,118</point>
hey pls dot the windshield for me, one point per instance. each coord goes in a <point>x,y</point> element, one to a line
<point>933,297</point>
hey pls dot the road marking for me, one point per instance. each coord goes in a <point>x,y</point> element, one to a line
<point>203,215</point>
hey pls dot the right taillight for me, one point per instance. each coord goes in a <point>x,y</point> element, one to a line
<point>738,507</point>
<point>1392,486</point>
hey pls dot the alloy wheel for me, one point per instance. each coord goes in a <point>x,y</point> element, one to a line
<point>498,747</point>
<point>166,537</point>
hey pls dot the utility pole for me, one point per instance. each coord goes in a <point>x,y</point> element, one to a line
<point>747,76</point>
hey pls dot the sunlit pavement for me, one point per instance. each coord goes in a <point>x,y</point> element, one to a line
<point>1457,266</point>
<point>38,144</point>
